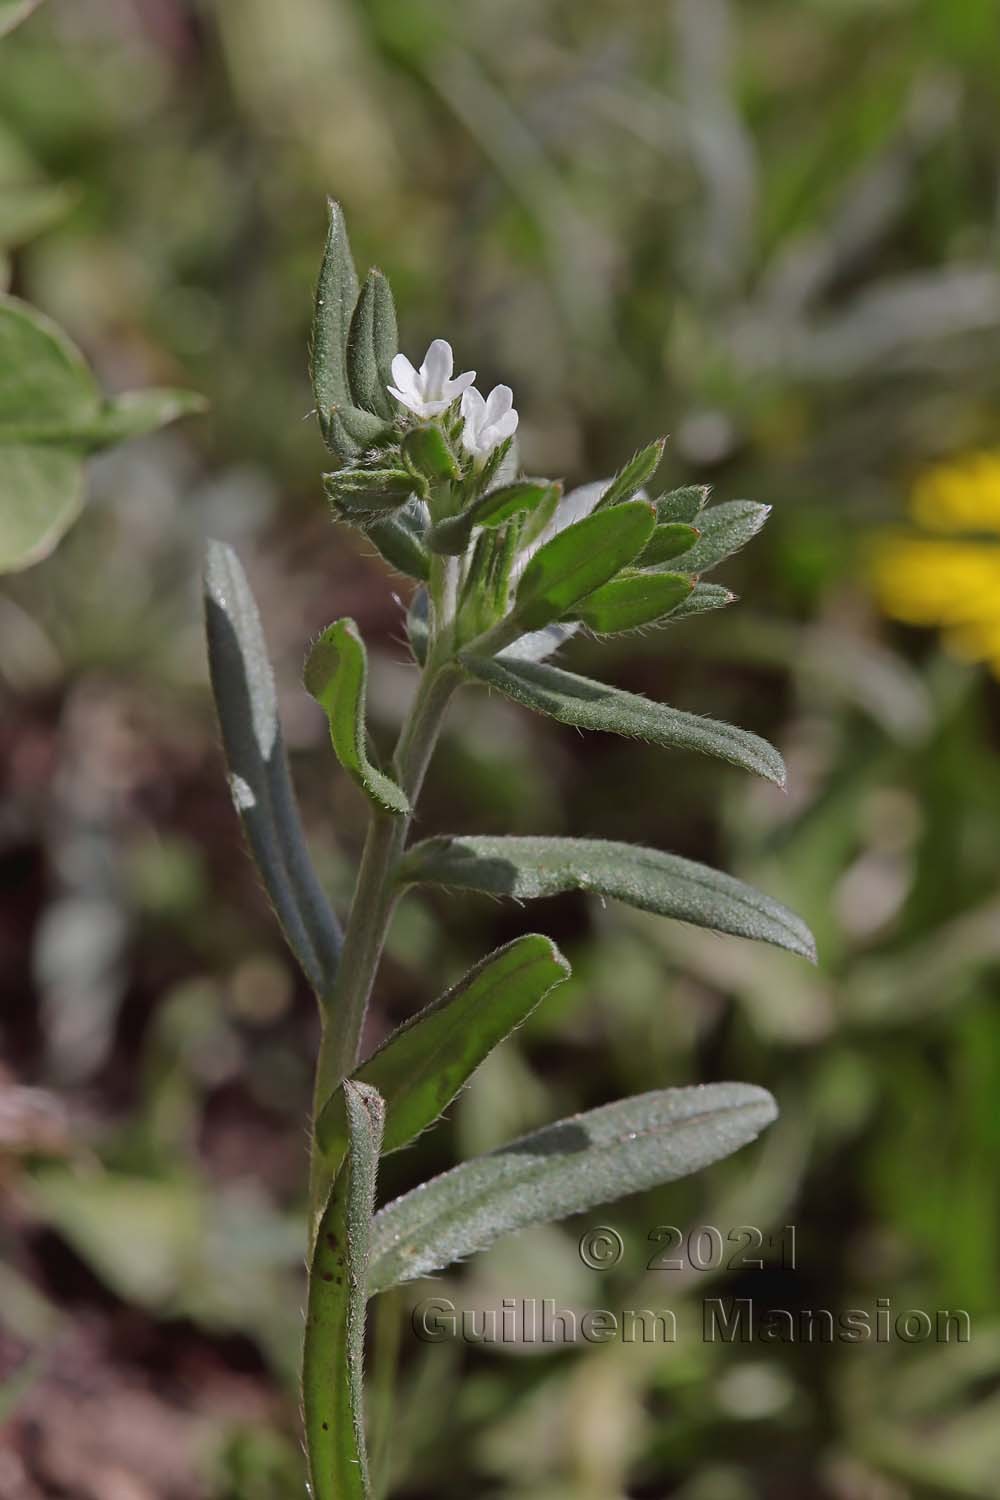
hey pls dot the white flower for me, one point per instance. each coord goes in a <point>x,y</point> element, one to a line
<point>430,390</point>
<point>487,422</point>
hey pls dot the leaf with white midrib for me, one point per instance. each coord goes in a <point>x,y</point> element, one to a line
<point>528,868</point>
<point>595,705</point>
<point>563,1169</point>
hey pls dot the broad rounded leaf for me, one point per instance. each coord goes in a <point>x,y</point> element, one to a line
<point>336,674</point>
<point>527,868</point>
<point>420,1068</point>
<point>563,1169</point>
<point>41,495</point>
<point>595,705</point>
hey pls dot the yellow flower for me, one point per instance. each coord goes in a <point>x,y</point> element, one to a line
<point>951,578</point>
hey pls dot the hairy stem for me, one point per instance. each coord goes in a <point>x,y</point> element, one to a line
<point>375,896</point>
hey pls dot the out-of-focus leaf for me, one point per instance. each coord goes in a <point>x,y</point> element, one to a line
<point>417,625</point>
<point>333,1366</point>
<point>372,344</point>
<point>336,295</point>
<point>422,1066</point>
<point>28,208</point>
<point>13,12</point>
<point>633,600</point>
<point>595,705</point>
<point>724,530</point>
<point>336,674</point>
<point>563,1169</point>
<point>630,479</point>
<point>527,868</point>
<point>258,770</point>
<point>579,560</point>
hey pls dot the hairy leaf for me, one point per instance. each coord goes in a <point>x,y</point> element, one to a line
<point>724,530</point>
<point>423,1065</point>
<point>684,504</point>
<point>563,1169</point>
<point>630,479</point>
<point>668,541</point>
<point>333,1364</point>
<point>258,770</point>
<point>526,868</point>
<point>595,705</point>
<point>491,510</point>
<point>357,493</point>
<point>336,295</point>
<point>579,560</point>
<point>429,454</point>
<point>400,537</point>
<point>336,674</point>
<point>633,600</point>
<point>703,598</point>
<point>372,344</point>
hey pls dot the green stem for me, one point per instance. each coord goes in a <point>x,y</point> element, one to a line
<point>375,897</point>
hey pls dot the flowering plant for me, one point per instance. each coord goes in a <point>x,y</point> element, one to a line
<point>506,569</point>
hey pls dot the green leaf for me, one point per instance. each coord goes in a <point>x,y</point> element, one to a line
<point>51,413</point>
<point>668,541</point>
<point>349,431</point>
<point>336,295</point>
<point>372,344</point>
<point>563,1169</point>
<point>703,598</point>
<point>333,1362</point>
<point>400,539</point>
<point>633,600</point>
<point>492,510</point>
<point>13,12</point>
<point>684,504</point>
<point>423,1065</point>
<point>138,412</point>
<point>527,868</point>
<point>336,674</point>
<point>638,471</point>
<point>724,530</point>
<point>29,208</point>
<point>427,451</point>
<point>258,770</point>
<point>595,705</point>
<point>579,559</point>
<point>357,491</point>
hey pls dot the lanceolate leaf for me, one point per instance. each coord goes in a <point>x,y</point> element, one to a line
<point>333,1363</point>
<point>336,295</point>
<point>493,509</point>
<point>526,868</point>
<point>630,479</point>
<point>703,598</point>
<point>578,560</point>
<point>594,705</point>
<point>684,504</point>
<point>724,530</point>
<point>668,541</point>
<point>372,343</point>
<point>400,538</point>
<point>358,492</point>
<point>422,1066</point>
<point>563,1169</point>
<point>427,451</point>
<point>349,431</point>
<point>336,674</point>
<point>258,771</point>
<point>633,600</point>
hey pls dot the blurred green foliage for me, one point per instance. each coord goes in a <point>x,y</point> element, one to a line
<point>767,227</point>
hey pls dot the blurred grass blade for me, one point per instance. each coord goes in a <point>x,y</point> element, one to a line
<point>563,1169</point>
<point>372,344</point>
<point>333,1363</point>
<point>724,530</point>
<point>633,600</point>
<point>630,479</point>
<point>423,1065</point>
<point>595,705</point>
<point>527,868</point>
<point>336,674</point>
<point>336,295</point>
<point>258,771</point>
<point>579,559</point>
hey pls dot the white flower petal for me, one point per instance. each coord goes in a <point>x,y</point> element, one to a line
<point>453,388</point>
<point>403,373</point>
<point>505,427</point>
<point>499,400</point>
<point>439,361</point>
